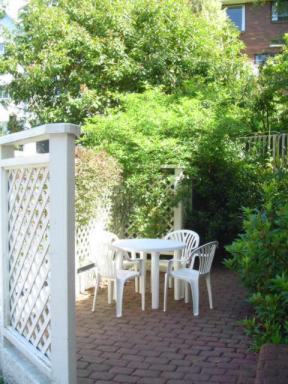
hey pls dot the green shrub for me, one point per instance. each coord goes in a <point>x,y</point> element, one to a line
<point>76,54</point>
<point>225,181</point>
<point>261,251</point>
<point>260,256</point>
<point>270,323</point>
<point>97,176</point>
<point>144,135</point>
<point>191,129</point>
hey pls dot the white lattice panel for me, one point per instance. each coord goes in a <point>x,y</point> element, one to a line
<point>82,244</point>
<point>29,264</point>
<point>99,222</point>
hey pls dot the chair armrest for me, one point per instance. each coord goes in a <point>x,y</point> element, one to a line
<point>86,268</point>
<point>175,261</point>
<point>136,261</point>
<point>193,260</point>
<point>140,262</point>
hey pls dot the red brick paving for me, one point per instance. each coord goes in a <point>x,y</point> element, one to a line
<point>175,347</point>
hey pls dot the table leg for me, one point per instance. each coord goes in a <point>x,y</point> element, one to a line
<point>118,265</point>
<point>144,257</point>
<point>178,284</point>
<point>133,255</point>
<point>155,279</point>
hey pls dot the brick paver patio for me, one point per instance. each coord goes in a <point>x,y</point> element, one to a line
<point>154,347</point>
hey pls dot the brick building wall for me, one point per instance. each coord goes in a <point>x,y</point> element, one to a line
<point>260,30</point>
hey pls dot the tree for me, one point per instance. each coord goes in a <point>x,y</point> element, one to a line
<point>69,61</point>
<point>272,94</point>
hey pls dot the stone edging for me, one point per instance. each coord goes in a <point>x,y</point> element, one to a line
<point>272,366</point>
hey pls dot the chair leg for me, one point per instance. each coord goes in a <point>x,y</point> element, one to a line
<point>114,290</point>
<point>208,284</point>
<point>119,293</point>
<point>195,296</point>
<point>142,288</point>
<point>133,254</point>
<point>143,257</point>
<point>165,292</point>
<point>170,282</point>
<point>187,295</point>
<point>110,286</point>
<point>97,281</point>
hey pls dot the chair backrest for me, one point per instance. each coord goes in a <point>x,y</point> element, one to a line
<point>102,252</point>
<point>206,254</point>
<point>190,238</point>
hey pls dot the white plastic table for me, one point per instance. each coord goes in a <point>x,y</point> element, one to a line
<point>154,247</point>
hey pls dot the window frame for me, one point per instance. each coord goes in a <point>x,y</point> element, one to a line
<point>243,16</point>
<point>2,48</point>
<point>4,93</point>
<point>275,14</point>
<point>267,54</point>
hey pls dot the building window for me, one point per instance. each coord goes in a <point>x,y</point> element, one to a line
<point>2,48</point>
<point>237,16</point>
<point>277,42</point>
<point>280,11</point>
<point>261,58</point>
<point>4,94</point>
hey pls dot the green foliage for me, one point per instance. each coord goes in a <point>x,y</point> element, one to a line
<point>270,324</point>
<point>140,137</point>
<point>260,256</point>
<point>261,251</point>
<point>271,94</point>
<point>97,176</point>
<point>15,124</point>
<point>189,129</point>
<point>226,180</point>
<point>76,55</point>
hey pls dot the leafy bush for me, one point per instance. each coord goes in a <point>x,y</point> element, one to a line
<point>97,176</point>
<point>225,181</point>
<point>140,137</point>
<point>260,256</point>
<point>75,55</point>
<point>270,324</point>
<point>190,129</point>
<point>261,251</point>
<point>271,96</point>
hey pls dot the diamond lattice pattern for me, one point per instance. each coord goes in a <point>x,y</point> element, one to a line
<point>29,267</point>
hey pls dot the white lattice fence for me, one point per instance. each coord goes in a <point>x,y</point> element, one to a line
<point>37,258</point>
<point>29,261</point>
<point>173,216</point>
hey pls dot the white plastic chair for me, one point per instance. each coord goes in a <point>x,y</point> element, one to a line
<point>190,238</point>
<point>109,267</point>
<point>205,254</point>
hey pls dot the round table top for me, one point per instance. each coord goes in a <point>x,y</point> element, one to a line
<point>147,245</point>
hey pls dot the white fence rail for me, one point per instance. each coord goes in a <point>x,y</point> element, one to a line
<point>37,258</point>
<point>275,145</point>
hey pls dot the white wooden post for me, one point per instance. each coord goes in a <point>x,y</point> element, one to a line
<point>178,224</point>
<point>62,216</point>
<point>5,152</point>
<point>37,258</point>
<point>179,209</point>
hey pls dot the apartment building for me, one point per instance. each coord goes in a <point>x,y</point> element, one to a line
<point>262,26</point>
